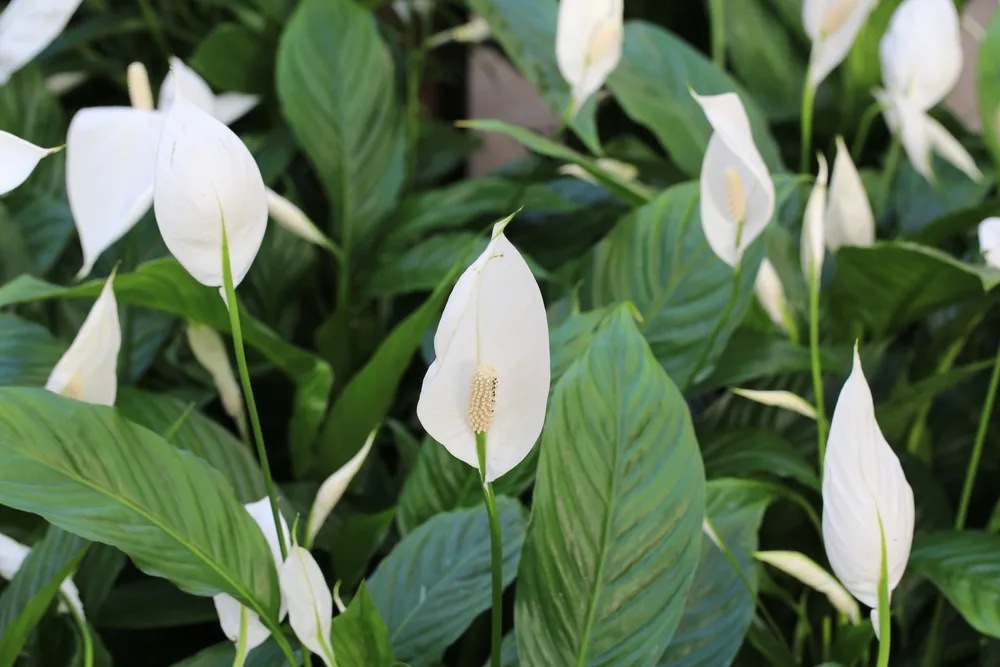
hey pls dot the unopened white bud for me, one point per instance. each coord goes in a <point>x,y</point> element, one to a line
<point>482,398</point>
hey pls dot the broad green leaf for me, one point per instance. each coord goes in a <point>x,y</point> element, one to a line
<point>199,435</point>
<point>423,265</point>
<point>719,607</point>
<point>87,470</point>
<point>965,566</point>
<point>895,283</point>
<point>613,542</point>
<point>631,193</point>
<point>918,205</point>
<point>508,652</point>
<point>223,654</point>
<point>653,84</point>
<point>46,225</point>
<point>356,541</point>
<point>337,84</point>
<point>527,31</point>
<point>359,636</point>
<point>33,588</point>
<point>988,86</point>
<point>97,576</point>
<point>748,451</point>
<point>657,257</point>
<point>130,606</point>
<point>437,579</point>
<point>233,57</point>
<point>165,286</point>
<point>28,352</point>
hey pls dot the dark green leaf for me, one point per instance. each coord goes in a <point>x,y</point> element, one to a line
<point>357,540</point>
<point>233,57</point>
<point>28,352</point>
<point>359,636</point>
<point>744,452</point>
<point>437,580</point>
<point>919,205</point>
<point>46,226</point>
<point>422,266</point>
<point>267,654</point>
<point>97,575</point>
<point>614,536</point>
<point>154,603</point>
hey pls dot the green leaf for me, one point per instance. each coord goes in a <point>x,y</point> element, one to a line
<point>268,654</point>
<point>613,542</point>
<point>337,87</point>
<point>508,652</point>
<point>630,192</point>
<point>527,31</point>
<point>895,283</point>
<point>437,579</point>
<point>918,205</point>
<point>988,86</point>
<point>746,451</point>
<point>233,57</point>
<point>359,636</point>
<point>129,606</point>
<point>28,352</point>
<point>97,576</point>
<point>965,567</point>
<point>652,85</point>
<point>423,265</point>
<point>46,225</point>
<point>199,435</point>
<point>751,355</point>
<point>165,286</point>
<point>34,586</point>
<point>357,539</point>
<point>87,470</point>
<point>657,257</point>
<point>719,607</point>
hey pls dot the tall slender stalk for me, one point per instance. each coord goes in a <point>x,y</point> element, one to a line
<point>884,624</point>
<point>717,18</point>
<point>241,646</point>
<point>808,101</point>
<point>817,371</point>
<point>496,546</point>
<point>241,362</point>
<point>88,641</point>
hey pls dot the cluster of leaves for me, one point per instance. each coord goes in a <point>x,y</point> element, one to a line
<point>641,441</point>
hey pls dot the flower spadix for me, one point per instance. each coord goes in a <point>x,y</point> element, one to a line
<point>333,489</point>
<point>812,248</point>
<point>849,218</point>
<point>491,371</point>
<point>589,41</point>
<point>88,371</point>
<point>227,108</point>
<point>832,25</point>
<point>867,503</point>
<point>226,606</point>
<point>20,158</point>
<point>310,603</point>
<point>737,194</point>
<point>27,27</point>
<point>207,184</point>
<point>771,294</point>
<point>989,241</point>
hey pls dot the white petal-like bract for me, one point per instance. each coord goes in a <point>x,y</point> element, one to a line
<point>110,160</point>
<point>771,294</point>
<point>494,319</point>
<point>310,603</point>
<point>863,486</point>
<point>20,158</point>
<point>737,194</point>
<point>849,217</point>
<point>230,107</point>
<point>12,555</point>
<point>989,241</point>
<point>206,178</point>
<point>809,573</point>
<point>88,371</point>
<point>921,51</point>
<point>832,25</point>
<point>813,249</point>
<point>332,490</point>
<point>589,40</point>
<point>292,218</point>
<point>226,108</point>
<point>779,399</point>
<point>27,27</point>
<point>210,351</point>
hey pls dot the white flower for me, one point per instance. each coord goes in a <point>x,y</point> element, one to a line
<point>812,247</point>
<point>88,371</point>
<point>210,351</point>
<point>622,170</point>
<point>491,371</point>
<point>779,399</point>
<point>771,294</point>
<point>589,40</point>
<point>989,241</point>
<point>12,555</point>
<point>832,25</point>
<point>737,194</point>
<point>921,51</point>
<point>27,27</point>
<point>865,497</point>
<point>226,606</point>
<point>332,490</point>
<point>849,217</point>
<point>310,604</point>
<point>292,218</point>
<point>809,573</point>
<point>20,158</point>
<point>207,184</point>
<point>227,108</point>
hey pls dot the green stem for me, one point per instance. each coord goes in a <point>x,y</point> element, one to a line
<point>889,175</point>
<point>717,17</point>
<point>808,100</point>
<point>88,641</point>
<point>977,447</point>
<point>241,646</point>
<point>863,128</point>
<point>496,544</point>
<point>286,648</point>
<point>790,326</point>
<point>727,311</point>
<point>241,362</point>
<point>817,372</point>
<point>884,625</point>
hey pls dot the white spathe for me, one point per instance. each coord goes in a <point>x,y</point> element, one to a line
<point>20,158</point>
<point>921,51</point>
<point>110,161</point>
<point>771,294</point>
<point>737,193</point>
<point>88,371</point>
<point>494,317</point>
<point>227,108</point>
<point>292,218</point>
<point>12,555</point>
<point>989,241</point>
<point>809,573</point>
<point>849,217</point>
<point>226,606</point>
<point>812,249</point>
<point>210,351</point>
<point>832,25</point>
<point>863,485</point>
<point>27,27</point>
<point>333,489</point>
<point>589,39</point>
<point>310,603</point>
<point>778,398</point>
<point>206,179</point>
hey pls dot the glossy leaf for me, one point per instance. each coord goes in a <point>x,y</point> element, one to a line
<point>28,352</point>
<point>234,57</point>
<point>616,514</point>
<point>422,266</point>
<point>359,636</point>
<point>128,606</point>
<point>744,452</point>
